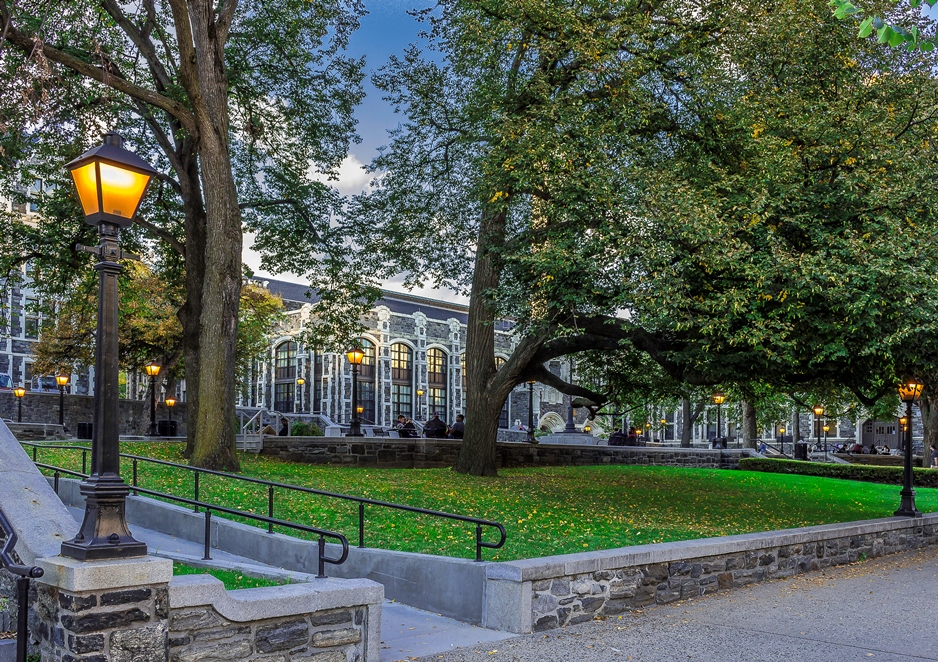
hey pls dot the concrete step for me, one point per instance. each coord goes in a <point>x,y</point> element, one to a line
<point>7,650</point>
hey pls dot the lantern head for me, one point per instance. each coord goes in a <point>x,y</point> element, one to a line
<point>818,410</point>
<point>355,355</point>
<point>152,368</point>
<point>719,398</point>
<point>910,390</point>
<point>19,391</point>
<point>62,378</point>
<point>170,402</point>
<point>111,182</point>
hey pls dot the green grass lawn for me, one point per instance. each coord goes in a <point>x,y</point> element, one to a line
<point>232,579</point>
<point>546,511</point>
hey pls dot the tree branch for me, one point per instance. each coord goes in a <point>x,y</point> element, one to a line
<point>297,207</point>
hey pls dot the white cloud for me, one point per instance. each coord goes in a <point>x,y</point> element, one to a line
<point>353,179</point>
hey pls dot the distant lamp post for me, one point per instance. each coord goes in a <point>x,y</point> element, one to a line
<point>826,429</point>
<point>19,392</point>
<point>718,400</point>
<point>902,422</point>
<point>299,382</point>
<point>588,429</point>
<point>531,383</point>
<point>909,392</point>
<point>153,369</point>
<point>62,380</point>
<point>170,403</point>
<point>420,393</point>
<point>818,412</point>
<point>781,439</point>
<point>355,356</point>
<point>664,428</point>
<point>110,182</point>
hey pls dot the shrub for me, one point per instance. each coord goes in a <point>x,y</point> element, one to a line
<point>303,429</point>
<point>862,472</point>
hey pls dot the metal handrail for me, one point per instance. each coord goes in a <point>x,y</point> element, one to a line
<point>209,507</point>
<point>24,573</point>
<point>271,485</point>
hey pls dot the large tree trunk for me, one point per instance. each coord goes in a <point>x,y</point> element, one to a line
<point>221,285</point>
<point>477,452</point>
<point>928,406</point>
<point>748,430</point>
<point>689,417</point>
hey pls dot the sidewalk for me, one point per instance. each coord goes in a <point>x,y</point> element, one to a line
<point>881,610</point>
<point>406,632</point>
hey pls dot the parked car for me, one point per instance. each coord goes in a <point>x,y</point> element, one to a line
<point>6,384</point>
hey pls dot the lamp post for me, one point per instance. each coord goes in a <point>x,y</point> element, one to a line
<point>299,382</point>
<point>19,392</point>
<point>826,429</point>
<point>909,392</point>
<point>62,380</point>
<point>111,182</point>
<point>531,383</point>
<point>170,402</point>
<point>818,412</point>
<point>664,428</point>
<point>781,439</point>
<point>902,422</point>
<point>153,369</point>
<point>718,400</point>
<point>420,393</point>
<point>355,356</point>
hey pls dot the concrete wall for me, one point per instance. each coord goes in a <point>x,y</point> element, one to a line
<point>426,453</point>
<point>44,408</point>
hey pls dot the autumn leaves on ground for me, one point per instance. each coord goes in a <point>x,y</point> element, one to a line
<point>545,511</point>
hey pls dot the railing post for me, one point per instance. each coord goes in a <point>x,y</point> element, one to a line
<point>135,476</point>
<point>22,617</point>
<point>84,462</point>
<point>361,524</point>
<point>196,509</point>
<point>322,557</point>
<point>270,508</point>
<point>478,542</point>
<point>208,535</point>
<point>55,481</point>
<point>35,448</point>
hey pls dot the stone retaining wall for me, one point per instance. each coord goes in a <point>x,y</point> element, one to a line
<point>427,453</point>
<point>283,623</point>
<point>540,594</point>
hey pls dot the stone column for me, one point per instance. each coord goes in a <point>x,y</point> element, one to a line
<point>103,611</point>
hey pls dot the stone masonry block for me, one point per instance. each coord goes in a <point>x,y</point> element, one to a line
<point>341,637</point>
<point>104,620</point>
<point>282,636</point>
<point>125,597</point>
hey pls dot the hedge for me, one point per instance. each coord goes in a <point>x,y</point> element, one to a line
<point>862,472</point>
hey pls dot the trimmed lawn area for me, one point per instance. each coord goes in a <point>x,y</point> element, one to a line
<point>545,511</point>
<point>230,578</point>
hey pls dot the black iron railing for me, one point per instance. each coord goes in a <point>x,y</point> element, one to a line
<point>24,574</point>
<point>272,486</point>
<point>207,509</point>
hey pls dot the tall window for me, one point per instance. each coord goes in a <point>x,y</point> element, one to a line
<point>285,377</point>
<point>31,323</point>
<point>503,421</point>
<point>437,372</point>
<point>402,380</point>
<point>366,382</point>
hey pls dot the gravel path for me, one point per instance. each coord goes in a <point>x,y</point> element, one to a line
<point>885,609</point>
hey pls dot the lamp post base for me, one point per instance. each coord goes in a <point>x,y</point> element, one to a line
<point>907,505</point>
<point>354,429</point>
<point>104,533</point>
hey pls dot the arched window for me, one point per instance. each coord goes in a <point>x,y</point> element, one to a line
<point>437,371</point>
<point>402,380</point>
<point>366,382</point>
<point>285,377</point>
<point>503,415</point>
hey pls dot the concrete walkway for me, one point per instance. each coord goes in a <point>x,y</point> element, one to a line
<point>406,632</point>
<point>882,610</point>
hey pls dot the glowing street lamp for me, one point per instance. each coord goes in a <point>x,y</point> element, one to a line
<point>152,369</point>
<point>62,380</point>
<point>531,383</point>
<point>419,412</point>
<point>355,356</point>
<point>299,382</point>
<point>718,400</point>
<point>818,412</point>
<point>111,183</point>
<point>170,402</point>
<point>19,392</point>
<point>781,439</point>
<point>909,391</point>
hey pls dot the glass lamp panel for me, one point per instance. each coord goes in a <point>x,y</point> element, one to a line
<point>86,182</point>
<point>121,190</point>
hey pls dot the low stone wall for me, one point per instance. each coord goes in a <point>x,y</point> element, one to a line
<point>540,594</point>
<point>295,622</point>
<point>41,407</point>
<point>427,453</point>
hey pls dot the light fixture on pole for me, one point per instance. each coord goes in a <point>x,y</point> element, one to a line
<point>781,439</point>
<point>111,182</point>
<point>19,392</point>
<point>818,412</point>
<point>170,403</point>
<point>62,380</point>
<point>299,382</point>
<point>153,369</point>
<point>355,356</point>
<point>718,400</point>
<point>531,383</point>
<point>909,391</point>
<point>826,429</point>
<point>664,428</point>
<point>419,413</point>
<point>902,422</point>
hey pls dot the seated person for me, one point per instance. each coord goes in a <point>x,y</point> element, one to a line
<point>435,428</point>
<point>617,438</point>
<point>857,448</point>
<point>458,429</point>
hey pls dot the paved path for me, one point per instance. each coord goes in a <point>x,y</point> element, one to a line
<point>882,610</point>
